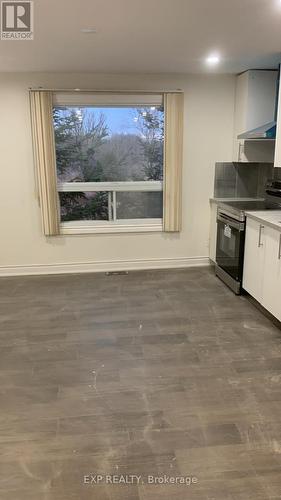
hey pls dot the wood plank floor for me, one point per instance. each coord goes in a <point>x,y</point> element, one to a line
<point>150,373</point>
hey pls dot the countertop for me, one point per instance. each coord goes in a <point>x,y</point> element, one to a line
<point>267,217</point>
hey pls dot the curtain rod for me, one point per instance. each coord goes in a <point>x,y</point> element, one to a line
<point>41,89</point>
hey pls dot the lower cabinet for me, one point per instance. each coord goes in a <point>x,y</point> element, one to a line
<point>262,266</point>
<point>254,257</point>
<point>213,232</point>
<point>271,299</point>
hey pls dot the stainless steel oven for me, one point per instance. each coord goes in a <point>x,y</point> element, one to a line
<point>230,250</point>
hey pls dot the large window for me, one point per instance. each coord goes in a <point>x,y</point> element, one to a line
<point>109,160</point>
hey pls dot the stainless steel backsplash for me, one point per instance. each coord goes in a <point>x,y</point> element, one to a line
<point>243,180</point>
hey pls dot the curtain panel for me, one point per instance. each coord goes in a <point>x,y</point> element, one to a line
<point>173,154</point>
<point>41,107</point>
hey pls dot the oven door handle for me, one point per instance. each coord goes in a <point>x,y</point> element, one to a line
<point>274,191</point>
<point>231,223</point>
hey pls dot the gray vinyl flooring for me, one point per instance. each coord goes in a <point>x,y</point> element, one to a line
<point>149,374</point>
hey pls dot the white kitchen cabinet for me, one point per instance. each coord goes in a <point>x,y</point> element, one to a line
<point>262,265</point>
<point>271,296</point>
<point>255,97</point>
<point>277,157</point>
<point>213,232</point>
<point>254,258</point>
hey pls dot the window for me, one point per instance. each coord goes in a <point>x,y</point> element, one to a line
<point>107,162</point>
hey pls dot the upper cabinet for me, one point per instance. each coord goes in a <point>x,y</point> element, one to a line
<point>255,103</point>
<point>277,158</point>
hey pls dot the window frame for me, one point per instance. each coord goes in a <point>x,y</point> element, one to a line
<point>70,100</point>
<point>42,129</point>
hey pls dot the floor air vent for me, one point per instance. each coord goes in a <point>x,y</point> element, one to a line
<point>116,273</point>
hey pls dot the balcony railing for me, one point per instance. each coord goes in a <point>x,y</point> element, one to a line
<point>112,188</point>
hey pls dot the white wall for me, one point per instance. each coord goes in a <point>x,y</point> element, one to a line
<point>208,137</point>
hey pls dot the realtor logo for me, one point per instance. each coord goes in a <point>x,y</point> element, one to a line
<point>16,20</point>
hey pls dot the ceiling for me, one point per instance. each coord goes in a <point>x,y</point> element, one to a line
<point>148,36</point>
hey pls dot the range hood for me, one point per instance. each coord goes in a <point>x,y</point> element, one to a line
<point>266,131</point>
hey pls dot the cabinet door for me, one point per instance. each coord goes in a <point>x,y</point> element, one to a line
<point>254,105</point>
<point>213,232</point>
<point>277,158</point>
<point>272,273</point>
<point>254,259</point>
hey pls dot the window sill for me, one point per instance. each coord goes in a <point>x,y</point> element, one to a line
<point>87,227</point>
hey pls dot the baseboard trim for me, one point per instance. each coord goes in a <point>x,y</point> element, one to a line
<point>262,309</point>
<point>104,266</point>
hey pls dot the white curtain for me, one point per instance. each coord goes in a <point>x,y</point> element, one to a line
<point>173,152</point>
<point>41,105</point>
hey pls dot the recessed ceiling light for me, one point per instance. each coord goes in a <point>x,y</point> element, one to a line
<point>88,30</point>
<point>213,59</point>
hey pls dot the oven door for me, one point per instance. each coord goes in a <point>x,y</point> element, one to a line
<point>230,245</point>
